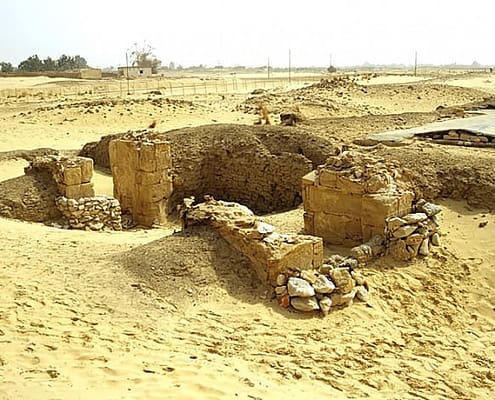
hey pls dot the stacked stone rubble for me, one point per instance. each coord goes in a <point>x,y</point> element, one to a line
<point>271,253</point>
<point>334,284</point>
<point>141,165</point>
<point>91,213</point>
<point>413,234</point>
<point>347,200</point>
<point>71,174</point>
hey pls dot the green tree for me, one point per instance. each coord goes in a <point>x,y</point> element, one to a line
<point>49,64</point>
<point>6,67</point>
<point>31,64</point>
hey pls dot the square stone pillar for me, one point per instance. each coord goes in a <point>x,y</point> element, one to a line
<point>142,180</point>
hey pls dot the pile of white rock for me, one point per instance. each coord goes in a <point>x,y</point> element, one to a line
<point>91,213</point>
<point>335,284</point>
<point>413,234</point>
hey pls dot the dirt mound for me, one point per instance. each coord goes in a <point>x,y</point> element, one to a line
<point>451,172</point>
<point>28,155</point>
<point>29,198</point>
<point>192,267</point>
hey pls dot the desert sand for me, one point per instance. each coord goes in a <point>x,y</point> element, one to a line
<point>77,322</point>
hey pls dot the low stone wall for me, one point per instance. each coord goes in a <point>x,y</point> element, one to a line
<point>347,200</point>
<point>91,213</point>
<point>270,252</point>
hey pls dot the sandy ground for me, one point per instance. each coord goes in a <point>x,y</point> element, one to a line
<point>75,323</point>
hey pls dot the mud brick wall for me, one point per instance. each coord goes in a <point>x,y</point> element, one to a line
<point>270,252</point>
<point>141,175</point>
<point>347,200</point>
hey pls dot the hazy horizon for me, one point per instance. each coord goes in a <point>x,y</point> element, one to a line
<point>230,33</point>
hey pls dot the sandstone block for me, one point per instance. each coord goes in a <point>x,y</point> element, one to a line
<point>322,199</point>
<point>349,186</point>
<point>404,231</point>
<point>309,227</point>
<point>86,169</point>
<point>147,157</point>
<point>328,178</point>
<point>87,190</point>
<point>70,191</point>
<point>72,175</point>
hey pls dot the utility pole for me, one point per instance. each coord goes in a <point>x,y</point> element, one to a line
<point>127,71</point>
<point>289,66</point>
<point>268,68</point>
<point>415,63</point>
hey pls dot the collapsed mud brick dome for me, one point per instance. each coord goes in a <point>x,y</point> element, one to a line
<point>347,200</point>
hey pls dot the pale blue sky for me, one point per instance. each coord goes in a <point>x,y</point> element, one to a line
<point>190,32</point>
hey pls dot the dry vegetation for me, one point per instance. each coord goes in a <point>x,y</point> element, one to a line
<point>161,314</point>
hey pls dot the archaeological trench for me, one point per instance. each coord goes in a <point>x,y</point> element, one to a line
<point>223,176</point>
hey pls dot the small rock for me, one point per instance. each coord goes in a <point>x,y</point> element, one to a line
<point>339,299</point>
<point>435,239</point>
<point>404,231</point>
<point>284,301</point>
<point>305,303</point>
<point>298,287</point>
<point>393,223</point>
<point>326,268</point>
<point>281,279</point>
<point>323,285</point>
<point>424,248</point>
<point>415,218</point>
<point>358,277</point>
<point>342,279</point>
<point>362,253</point>
<point>325,304</point>
<point>281,290</point>
<point>362,294</point>
<point>482,224</point>
<point>264,228</point>
<point>429,208</point>
<point>310,276</point>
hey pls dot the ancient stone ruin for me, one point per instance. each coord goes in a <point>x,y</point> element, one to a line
<point>141,166</point>
<point>291,265</point>
<point>358,199</point>
<point>72,175</point>
<point>63,189</point>
<point>347,200</point>
<point>260,168</point>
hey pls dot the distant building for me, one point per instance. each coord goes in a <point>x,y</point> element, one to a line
<point>135,72</point>
<point>90,73</point>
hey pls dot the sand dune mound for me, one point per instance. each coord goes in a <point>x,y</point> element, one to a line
<point>192,267</point>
